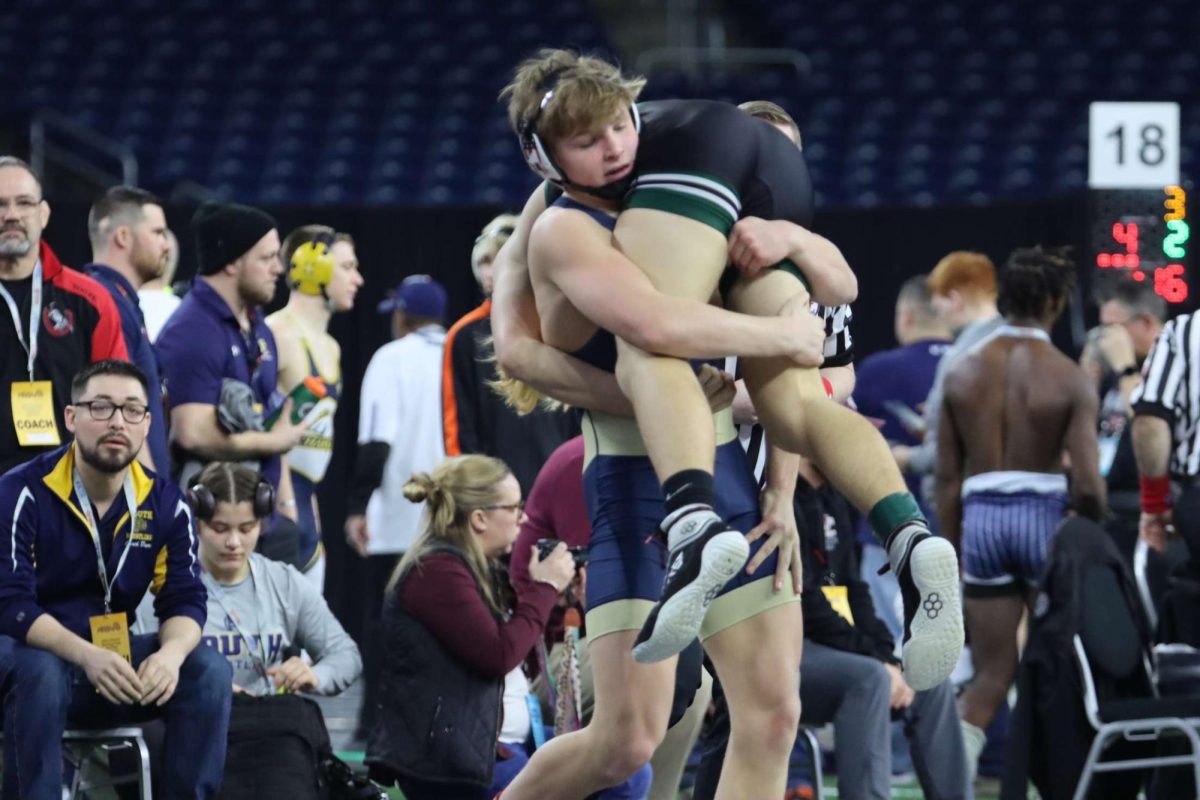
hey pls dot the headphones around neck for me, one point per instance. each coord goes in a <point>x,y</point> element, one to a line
<point>311,267</point>
<point>537,156</point>
<point>204,505</point>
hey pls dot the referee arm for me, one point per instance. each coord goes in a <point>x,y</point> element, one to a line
<point>1151,445</point>
<point>1157,402</point>
<point>1152,450</point>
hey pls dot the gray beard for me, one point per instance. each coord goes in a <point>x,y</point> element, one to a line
<point>9,249</point>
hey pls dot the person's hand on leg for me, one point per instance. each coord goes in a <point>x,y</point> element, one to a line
<point>779,525</point>
<point>902,694</point>
<point>112,676</point>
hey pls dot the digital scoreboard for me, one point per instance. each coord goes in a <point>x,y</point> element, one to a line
<point>1144,234</point>
<point>1137,205</point>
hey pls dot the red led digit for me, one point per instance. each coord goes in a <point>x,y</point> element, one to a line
<point>1125,234</point>
<point>1169,283</point>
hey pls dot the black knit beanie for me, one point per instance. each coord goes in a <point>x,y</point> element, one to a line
<point>225,231</point>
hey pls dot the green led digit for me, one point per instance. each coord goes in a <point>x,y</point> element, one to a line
<point>1173,242</point>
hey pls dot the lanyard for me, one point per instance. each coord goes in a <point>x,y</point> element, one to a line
<point>259,658</point>
<point>35,313</point>
<point>94,529</point>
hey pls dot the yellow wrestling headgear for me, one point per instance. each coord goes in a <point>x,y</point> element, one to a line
<point>311,267</point>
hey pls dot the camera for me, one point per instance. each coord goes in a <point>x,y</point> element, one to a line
<point>546,547</point>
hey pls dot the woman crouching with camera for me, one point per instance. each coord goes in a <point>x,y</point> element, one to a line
<point>452,632</point>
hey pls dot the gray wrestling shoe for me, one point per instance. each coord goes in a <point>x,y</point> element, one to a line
<point>927,571</point>
<point>705,554</point>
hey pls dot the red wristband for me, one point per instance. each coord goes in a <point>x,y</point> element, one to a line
<point>1155,494</point>
<point>828,387</point>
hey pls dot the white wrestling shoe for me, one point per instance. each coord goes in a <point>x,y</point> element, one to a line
<point>927,570</point>
<point>705,554</point>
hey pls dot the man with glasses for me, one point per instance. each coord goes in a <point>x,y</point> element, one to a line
<point>57,321</point>
<point>1131,318</point>
<point>91,531</point>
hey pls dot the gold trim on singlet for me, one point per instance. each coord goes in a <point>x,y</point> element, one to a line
<point>744,602</point>
<point>306,345</point>
<point>739,605</point>
<point>610,435</point>
<point>616,616</point>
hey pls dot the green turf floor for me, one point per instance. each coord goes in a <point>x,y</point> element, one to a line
<point>908,790</point>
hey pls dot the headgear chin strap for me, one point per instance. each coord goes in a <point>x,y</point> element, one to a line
<point>537,155</point>
<point>311,268</point>
<point>609,191</point>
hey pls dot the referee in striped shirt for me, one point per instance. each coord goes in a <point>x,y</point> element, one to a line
<point>837,371</point>
<point>1166,436</point>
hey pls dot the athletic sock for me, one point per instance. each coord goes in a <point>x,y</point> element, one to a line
<point>893,512</point>
<point>689,487</point>
<point>974,740</point>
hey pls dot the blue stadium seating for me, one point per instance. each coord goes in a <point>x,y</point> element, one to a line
<point>383,103</point>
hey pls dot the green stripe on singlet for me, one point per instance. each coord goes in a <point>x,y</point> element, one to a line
<point>661,198</point>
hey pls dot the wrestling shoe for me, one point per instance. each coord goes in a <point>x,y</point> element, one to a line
<point>704,553</point>
<point>926,567</point>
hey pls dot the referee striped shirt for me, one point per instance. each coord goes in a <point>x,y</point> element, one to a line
<point>1170,390</point>
<point>838,352</point>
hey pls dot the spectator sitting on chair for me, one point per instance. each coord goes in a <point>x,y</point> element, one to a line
<point>449,636</point>
<point>259,609</point>
<point>849,674</point>
<point>89,527</point>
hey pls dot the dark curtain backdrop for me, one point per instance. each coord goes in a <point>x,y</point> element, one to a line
<point>885,246</point>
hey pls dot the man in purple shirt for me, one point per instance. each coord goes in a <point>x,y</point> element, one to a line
<point>219,361</point>
<point>128,230</point>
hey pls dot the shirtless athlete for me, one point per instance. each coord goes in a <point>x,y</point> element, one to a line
<point>1013,405</point>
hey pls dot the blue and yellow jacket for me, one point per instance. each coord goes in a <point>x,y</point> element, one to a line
<point>48,560</point>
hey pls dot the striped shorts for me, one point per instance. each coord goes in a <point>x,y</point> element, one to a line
<point>1008,521</point>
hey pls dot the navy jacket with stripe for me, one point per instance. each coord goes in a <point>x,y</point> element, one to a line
<point>48,561</point>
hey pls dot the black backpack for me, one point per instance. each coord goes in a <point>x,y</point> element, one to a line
<point>279,747</point>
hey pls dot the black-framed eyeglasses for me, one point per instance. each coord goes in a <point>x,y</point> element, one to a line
<point>102,410</point>
<point>518,506</point>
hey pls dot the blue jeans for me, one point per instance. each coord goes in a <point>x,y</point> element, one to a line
<point>43,695</point>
